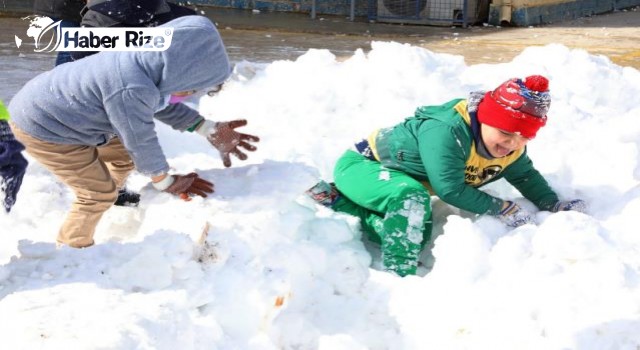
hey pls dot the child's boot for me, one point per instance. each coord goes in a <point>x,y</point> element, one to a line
<point>127,198</point>
<point>324,193</point>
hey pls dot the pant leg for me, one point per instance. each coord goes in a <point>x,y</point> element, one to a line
<point>80,168</point>
<point>372,222</point>
<point>117,160</point>
<point>402,203</point>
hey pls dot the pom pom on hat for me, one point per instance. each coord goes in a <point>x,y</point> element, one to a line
<point>536,83</point>
<point>517,106</point>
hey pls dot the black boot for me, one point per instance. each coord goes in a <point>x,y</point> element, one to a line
<point>127,198</point>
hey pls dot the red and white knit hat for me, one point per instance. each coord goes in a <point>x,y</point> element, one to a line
<point>517,106</point>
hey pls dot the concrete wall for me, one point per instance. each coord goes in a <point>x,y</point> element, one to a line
<point>534,12</point>
<point>514,12</point>
<point>518,12</point>
<point>334,7</point>
<point>16,7</point>
<point>330,7</point>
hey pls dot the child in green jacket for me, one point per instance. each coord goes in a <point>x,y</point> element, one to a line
<point>449,151</point>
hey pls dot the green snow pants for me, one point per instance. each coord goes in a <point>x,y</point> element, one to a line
<point>394,208</point>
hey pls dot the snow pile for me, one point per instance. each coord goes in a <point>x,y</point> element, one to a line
<point>278,272</point>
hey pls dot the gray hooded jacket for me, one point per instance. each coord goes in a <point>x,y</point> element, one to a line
<point>88,101</point>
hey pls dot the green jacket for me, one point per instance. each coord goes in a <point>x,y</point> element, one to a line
<point>436,146</point>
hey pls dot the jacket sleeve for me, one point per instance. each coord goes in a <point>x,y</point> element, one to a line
<point>131,112</point>
<point>444,157</point>
<point>533,186</point>
<point>179,116</point>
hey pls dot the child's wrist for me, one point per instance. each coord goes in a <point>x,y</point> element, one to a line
<point>162,182</point>
<point>206,128</point>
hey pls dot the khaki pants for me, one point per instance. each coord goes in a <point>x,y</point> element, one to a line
<point>94,174</point>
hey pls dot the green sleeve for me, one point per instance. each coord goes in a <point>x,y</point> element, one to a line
<point>4,114</point>
<point>444,152</point>
<point>533,186</point>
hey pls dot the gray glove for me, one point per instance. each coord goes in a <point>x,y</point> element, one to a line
<point>514,216</point>
<point>575,205</point>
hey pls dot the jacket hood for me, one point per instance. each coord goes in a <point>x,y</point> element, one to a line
<point>196,59</point>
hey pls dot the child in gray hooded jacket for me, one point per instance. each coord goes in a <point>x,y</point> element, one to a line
<point>91,122</point>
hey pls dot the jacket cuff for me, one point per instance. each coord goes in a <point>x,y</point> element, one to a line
<point>193,127</point>
<point>164,183</point>
<point>207,128</point>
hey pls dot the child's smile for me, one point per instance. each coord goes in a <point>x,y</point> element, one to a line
<point>501,143</point>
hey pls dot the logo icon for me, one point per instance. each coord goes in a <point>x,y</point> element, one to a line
<point>48,35</point>
<point>39,28</point>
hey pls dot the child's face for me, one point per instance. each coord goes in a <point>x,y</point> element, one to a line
<point>501,143</point>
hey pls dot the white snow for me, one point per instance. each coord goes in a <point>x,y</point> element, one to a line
<point>278,272</point>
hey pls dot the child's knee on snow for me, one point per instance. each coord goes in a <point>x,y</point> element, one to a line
<point>415,198</point>
<point>414,203</point>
